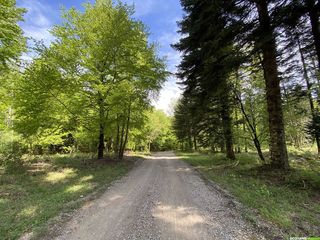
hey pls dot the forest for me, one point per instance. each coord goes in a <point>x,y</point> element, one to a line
<point>77,113</point>
<point>86,91</point>
<point>250,110</point>
<point>251,80</point>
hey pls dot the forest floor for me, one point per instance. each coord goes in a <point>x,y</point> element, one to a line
<point>33,194</point>
<point>290,201</point>
<point>162,198</point>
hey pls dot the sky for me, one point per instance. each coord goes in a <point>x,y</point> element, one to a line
<point>159,16</point>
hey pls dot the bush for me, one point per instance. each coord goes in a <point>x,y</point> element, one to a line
<point>11,149</point>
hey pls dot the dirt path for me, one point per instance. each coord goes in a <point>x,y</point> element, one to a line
<point>162,198</point>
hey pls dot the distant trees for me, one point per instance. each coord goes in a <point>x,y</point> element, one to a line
<point>229,49</point>
<point>156,133</point>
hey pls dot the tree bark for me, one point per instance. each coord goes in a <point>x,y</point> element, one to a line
<point>278,148</point>
<point>121,141</point>
<point>101,127</point>
<point>227,127</point>
<point>195,143</point>
<point>245,138</point>
<point>124,143</point>
<point>101,142</point>
<point>190,140</point>
<point>116,147</point>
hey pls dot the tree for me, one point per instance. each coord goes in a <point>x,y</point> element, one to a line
<point>96,53</point>
<point>12,42</point>
<point>266,40</point>
<point>209,56</point>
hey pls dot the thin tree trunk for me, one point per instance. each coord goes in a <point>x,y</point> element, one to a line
<point>252,127</point>
<point>190,140</point>
<point>195,143</point>
<point>121,141</point>
<point>223,146</point>
<point>238,148</point>
<point>122,149</point>
<point>278,148</point>
<point>245,138</point>
<point>101,128</point>
<point>116,147</point>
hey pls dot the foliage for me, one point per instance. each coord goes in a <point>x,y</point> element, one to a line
<point>156,133</point>
<point>250,72</point>
<point>94,79</point>
<point>12,42</point>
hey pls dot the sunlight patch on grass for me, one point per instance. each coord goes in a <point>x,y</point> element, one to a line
<point>51,185</point>
<point>86,178</point>
<point>28,211</point>
<point>77,188</point>
<point>3,201</point>
<point>55,177</point>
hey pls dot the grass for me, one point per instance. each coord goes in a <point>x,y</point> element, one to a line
<point>289,200</point>
<point>34,193</point>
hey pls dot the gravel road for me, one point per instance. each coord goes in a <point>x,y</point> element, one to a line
<point>162,198</point>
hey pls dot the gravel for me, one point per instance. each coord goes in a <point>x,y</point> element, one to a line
<point>161,198</point>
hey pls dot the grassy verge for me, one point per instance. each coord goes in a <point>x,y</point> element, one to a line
<point>44,187</point>
<point>290,200</point>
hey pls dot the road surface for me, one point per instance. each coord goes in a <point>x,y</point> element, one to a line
<point>161,198</point>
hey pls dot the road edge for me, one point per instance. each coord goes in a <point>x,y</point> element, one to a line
<point>265,228</point>
<point>54,226</point>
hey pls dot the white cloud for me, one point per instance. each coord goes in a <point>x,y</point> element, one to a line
<point>38,20</point>
<point>168,95</point>
<point>39,34</point>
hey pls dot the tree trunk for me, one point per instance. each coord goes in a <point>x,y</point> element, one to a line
<point>195,143</point>
<point>121,141</point>
<point>102,127</point>
<point>116,147</point>
<point>124,143</point>
<point>223,146</point>
<point>101,142</point>
<point>245,138</point>
<point>313,10</point>
<point>278,148</point>
<point>190,141</point>
<point>227,128</point>
<point>238,148</point>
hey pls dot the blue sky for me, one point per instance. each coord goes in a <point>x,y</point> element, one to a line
<point>159,16</point>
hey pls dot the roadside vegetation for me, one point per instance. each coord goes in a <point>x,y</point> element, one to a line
<point>84,96</point>
<point>249,72</point>
<point>288,200</point>
<point>251,94</point>
<point>45,186</point>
